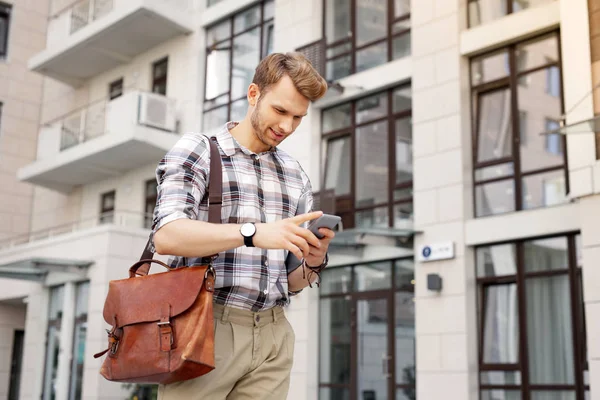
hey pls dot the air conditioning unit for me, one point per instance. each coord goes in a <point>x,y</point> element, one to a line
<point>157,111</point>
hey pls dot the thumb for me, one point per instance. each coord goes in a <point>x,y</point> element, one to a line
<point>302,218</point>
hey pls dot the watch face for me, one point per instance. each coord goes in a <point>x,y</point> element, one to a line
<point>248,229</point>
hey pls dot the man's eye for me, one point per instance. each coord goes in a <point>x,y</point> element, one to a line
<point>279,111</point>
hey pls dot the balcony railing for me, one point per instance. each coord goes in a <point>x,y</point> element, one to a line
<point>130,219</point>
<point>84,12</point>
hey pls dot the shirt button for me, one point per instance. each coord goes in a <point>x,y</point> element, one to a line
<point>265,291</point>
<point>266,263</point>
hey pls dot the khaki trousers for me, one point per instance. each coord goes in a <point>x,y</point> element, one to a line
<point>253,359</point>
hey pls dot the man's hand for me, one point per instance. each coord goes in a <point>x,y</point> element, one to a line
<point>288,235</point>
<point>316,255</point>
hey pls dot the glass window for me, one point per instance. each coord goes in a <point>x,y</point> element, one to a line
<point>55,311</point>
<point>80,329</point>
<point>115,89</point>
<point>5,11</point>
<point>527,286</point>
<point>159,76</point>
<point>234,47</point>
<point>532,164</point>
<point>362,34</point>
<point>150,202</point>
<point>372,277</point>
<point>335,354</point>
<point>370,140</point>
<point>107,207</point>
<point>485,11</point>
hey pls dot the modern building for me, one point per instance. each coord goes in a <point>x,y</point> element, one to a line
<point>456,141</point>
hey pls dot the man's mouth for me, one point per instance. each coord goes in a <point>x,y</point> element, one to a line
<point>277,135</point>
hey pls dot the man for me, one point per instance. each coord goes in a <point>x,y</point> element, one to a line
<point>265,192</point>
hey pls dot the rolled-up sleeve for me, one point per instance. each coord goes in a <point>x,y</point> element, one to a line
<point>182,179</point>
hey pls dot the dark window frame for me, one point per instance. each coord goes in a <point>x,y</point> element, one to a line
<point>510,82</point>
<point>149,202</point>
<point>345,205</point>
<point>16,365</point>
<point>354,296</point>
<point>351,39</point>
<point>107,214</point>
<point>157,82</point>
<point>115,89</point>
<point>5,15</point>
<point>578,321</point>
<point>264,25</point>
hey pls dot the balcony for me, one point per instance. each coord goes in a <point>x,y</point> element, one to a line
<point>103,140</point>
<point>93,36</point>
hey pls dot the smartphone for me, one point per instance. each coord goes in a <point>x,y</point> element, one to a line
<point>324,221</point>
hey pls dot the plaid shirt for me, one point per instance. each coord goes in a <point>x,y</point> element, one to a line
<point>264,187</point>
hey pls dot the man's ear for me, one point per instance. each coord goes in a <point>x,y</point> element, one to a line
<point>253,94</point>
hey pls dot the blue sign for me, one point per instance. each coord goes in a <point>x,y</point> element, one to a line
<point>426,251</point>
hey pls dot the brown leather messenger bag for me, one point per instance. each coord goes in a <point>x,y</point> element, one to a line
<point>162,324</point>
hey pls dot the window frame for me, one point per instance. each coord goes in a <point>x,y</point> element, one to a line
<point>162,79</point>
<point>113,86</point>
<point>353,295</point>
<point>149,200</point>
<point>351,38</point>
<point>107,214</point>
<point>573,272</point>
<point>263,25</point>
<point>5,14</point>
<point>510,82</point>
<point>346,203</point>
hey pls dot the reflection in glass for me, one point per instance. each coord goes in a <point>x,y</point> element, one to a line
<point>404,156</point>
<point>552,395</point>
<point>214,118</point>
<point>246,55</point>
<point>338,68</point>
<point>371,56</point>
<point>401,46</point>
<point>335,348</point>
<point>402,99</point>
<point>370,108</point>
<point>336,280</point>
<point>537,53</point>
<point>494,198</point>
<point>401,7</point>
<point>549,330</point>
<point>268,31</point>
<point>494,129</point>
<point>489,67</point>
<point>218,32</point>
<point>497,260</point>
<point>544,111</point>
<point>373,218</point>
<point>500,394</point>
<point>371,21</point>
<point>373,276</point>
<point>405,339</point>
<point>371,164</point>
<point>337,118</point>
<point>501,378</point>
<point>403,216</point>
<point>544,190</point>
<point>500,325</point>
<point>337,172</point>
<point>546,254</point>
<point>217,68</point>
<point>372,350</point>
<point>246,19</point>
<point>337,20</point>
<point>495,171</point>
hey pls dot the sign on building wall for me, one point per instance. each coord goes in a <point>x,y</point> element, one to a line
<point>436,251</point>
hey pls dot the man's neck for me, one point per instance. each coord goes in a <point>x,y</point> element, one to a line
<point>245,135</point>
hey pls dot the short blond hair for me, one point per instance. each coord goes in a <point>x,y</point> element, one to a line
<point>305,77</point>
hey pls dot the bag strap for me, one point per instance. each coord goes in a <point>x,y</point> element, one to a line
<point>215,194</point>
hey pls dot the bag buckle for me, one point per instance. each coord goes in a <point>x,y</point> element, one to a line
<point>165,328</point>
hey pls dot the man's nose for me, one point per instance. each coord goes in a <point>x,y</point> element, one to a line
<point>285,125</point>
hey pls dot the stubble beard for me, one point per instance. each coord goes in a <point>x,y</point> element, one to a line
<point>256,123</point>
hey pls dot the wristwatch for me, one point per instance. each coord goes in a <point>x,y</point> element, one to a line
<point>248,230</point>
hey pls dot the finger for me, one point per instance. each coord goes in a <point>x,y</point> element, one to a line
<point>307,235</point>
<point>301,244</point>
<point>294,250</point>
<point>327,233</point>
<point>302,218</point>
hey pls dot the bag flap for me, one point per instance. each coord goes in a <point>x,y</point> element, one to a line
<point>142,299</point>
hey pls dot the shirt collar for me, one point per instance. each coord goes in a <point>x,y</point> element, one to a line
<point>230,145</point>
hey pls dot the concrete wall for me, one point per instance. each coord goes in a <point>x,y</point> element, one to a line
<point>20,95</point>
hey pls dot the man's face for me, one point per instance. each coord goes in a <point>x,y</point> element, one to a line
<point>278,112</point>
